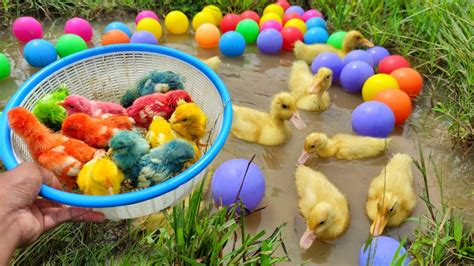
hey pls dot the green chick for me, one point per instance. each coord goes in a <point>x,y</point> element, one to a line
<point>48,111</point>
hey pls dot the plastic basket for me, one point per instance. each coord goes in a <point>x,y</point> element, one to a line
<point>105,73</point>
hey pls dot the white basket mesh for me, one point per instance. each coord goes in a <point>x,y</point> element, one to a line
<point>106,77</point>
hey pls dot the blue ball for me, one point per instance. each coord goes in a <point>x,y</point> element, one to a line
<point>329,60</point>
<point>316,35</point>
<point>143,36</point>
<point>232,44</point>
<point>378,53</point>
<point>315,22</point>
<point>295,9</point>
<point>39,53</point>
<point>382,251</point>
<point>354,75</point>
<point>270,41</point>
<point>118,26</point>
<point>358,55</point>
<point>373,119</point>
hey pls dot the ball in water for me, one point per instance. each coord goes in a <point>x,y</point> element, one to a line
<point>26,29</point>
<point>146,14</point>
<point>376,83</point>
<point>249,30</point>
<point>297,23</point>
<point>312,13</point>
<point>336,39</point>
<point>409,80</point>
<point>115,37</point>
<point>5,67</point>
<point>229,22</point>
<point>378,53</point>
<point>290,36</point>
<point>202,18</point>
<point>329,60</point>
<point>358,55</point>
<point>316,35</point>
<point>215,12</point>
<point>270,41</point>
<point>315,22</point>
<point>295,9</point>
<point>354,74</point>
<point>232,43</point>
<point>151,25</point>
<point>271,24</point>
<point>274,8</point>
<point>118,26</point>
<point>251,15</point>
<point>39,53</point>
<point>270,16</point>
<point>391,63</point>
<point>373,119</point>
<point>80,27</point>
<point>143,37</point>
<point>398,101</point>
<point>70,44</point>
<point>207,36</point>
<point>176,22</point>
<point>382,251</point>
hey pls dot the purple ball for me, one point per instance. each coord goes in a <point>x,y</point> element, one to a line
<point>373,119</point>
<point>295,9</point>
<point>228,178</point>
<point>378,53</point>
<point>270,41</point>
<point>381,251</point>
<point>354,75</point>
<point>329,60</point>
<point>143,37</point>
<point>271,24</point>
<point>358,55</point>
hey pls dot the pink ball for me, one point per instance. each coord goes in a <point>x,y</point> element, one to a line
<point>146,14</point>
<point>79,27</point>
<point>271,24</point>
<point>26,29</point>
<point>312,13</point>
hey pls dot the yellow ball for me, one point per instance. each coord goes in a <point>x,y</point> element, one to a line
<point>176,22</point>
<point>203,18</point>
<point>215,12</point>
<point>151,25</point>
<point>270,16</point>
<point>377,83</point>
<point>297,23</point>
<point>274,8</point>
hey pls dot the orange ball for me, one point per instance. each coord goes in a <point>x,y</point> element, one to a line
<point>207,36</point>
<point>114,37</point>
<point>409,80</point>
<point>398,101</point>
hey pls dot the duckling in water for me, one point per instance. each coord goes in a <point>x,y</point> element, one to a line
<point>391,196</point>
<point>310,91</point>
<point>322,205</point>
<point>267,128</point>
<point>352,40</point>
<point>342,146</point>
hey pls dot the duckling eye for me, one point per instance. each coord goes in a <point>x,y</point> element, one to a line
<point>321,223</point>
<point>391,209</point>
<point>284,106</point>
<point>357,37</point>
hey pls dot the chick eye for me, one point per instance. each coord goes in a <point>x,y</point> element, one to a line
<point>312,146</point>
<point>391,209</point>
<point>185,120</point>
<point>284,106</point>
<point>327,77</point>
<point>321,223</point>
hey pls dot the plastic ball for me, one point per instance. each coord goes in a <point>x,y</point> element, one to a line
<point>315,22</point>
<point>215,12</point>
<point>115,37</point>
<point>270,41</point>
<point>274,8</point>
<point>271,24</point>
<point>376,83</point>
<point>26,29</point>
<point>150,25</point>
<point>5,67</point>
<point>312,13</point>
<point>297,23</point>
<point>329,60</point>
<point>202,18</point>
<point>336,39</point>
<point>251,15</point>
<point>409,80</point>
<point>80,27</point>
<point>295,9</point>
<point>143,37</point>
<point>290,36</point>
<point>249,30</point>
<point>373,119</point>
<point>229,22</point>
<point>207,36</point>
<point>289,16</point>
<point>284,4</point>
<point>316,35</point>
<point>270,16</point>
<point>398,101</point>
<point>39,53</point>
<point>146,14</point>
<point>69,44</point>
<point>391,63</point>
<point>354,74</point>
<point>358,55</point>
<point>232,43</point>
<point>378,53</point>
<point>176,22</point>
<point>382,251</point>
<point>118,26</point>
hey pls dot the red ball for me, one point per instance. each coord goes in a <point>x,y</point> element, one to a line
<point>399,103</point>
<point>391,63</point>
<point>409,80</point>
<point>251,15</point>
<point>290,36</point>
<point>291,16</point>
<point>283,4</point>
<point>229,22</point>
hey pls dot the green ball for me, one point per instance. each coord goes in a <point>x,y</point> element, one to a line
<point>336,39</point>
<point>249,29</point>
<point>69,44</point>
<point>4,67</point>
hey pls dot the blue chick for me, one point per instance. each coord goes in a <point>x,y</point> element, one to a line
<point>126,149</point>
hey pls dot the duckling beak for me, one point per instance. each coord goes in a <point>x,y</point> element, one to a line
<point>378,225</point>
<point>367,43</point>
<point>315,88</point>
<point>297,121</point>
<point>303,157</point>
<point>307,239</point>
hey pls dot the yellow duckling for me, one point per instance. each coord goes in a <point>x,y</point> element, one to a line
<point>352,40</point>
<point>391,197</point>
<point>342,146</point>
<point>100,177</point>
<point>310,91</point>
<point>213,62</point>
<point>267,128</point>
<point>322,205</point>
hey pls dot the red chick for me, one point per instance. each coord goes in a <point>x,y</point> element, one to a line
<point>146,107</point>
<point>62,155</point>
<point>78,104</point>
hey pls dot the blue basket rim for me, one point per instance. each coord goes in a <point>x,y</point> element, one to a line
<point>9,159</point>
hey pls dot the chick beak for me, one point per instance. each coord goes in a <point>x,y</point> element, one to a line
<point>61,103</point>
<point>307,239</point>
<point>378,225</point>
<point>297,121</point>
<point>110,190</point>
<point>109,152</point>
<point>367,43</point>
<point>303,157</point>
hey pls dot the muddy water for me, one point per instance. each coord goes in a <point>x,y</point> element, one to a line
<point>252,80</point>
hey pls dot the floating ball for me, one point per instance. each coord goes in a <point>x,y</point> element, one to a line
<point>391,63</point>
<point>382,251</point>
<point>118,26</point>
<point>69,44</point>
<point>378,53</point>
<point>297,23</point>
<point>215,12</point>
<point>373,119</point>
<point>336,39</point>
<point>270,16</point>
<point>207,35</point>
<point>409,80</point>
<point>376,83</point>
<point>316,35</point>
<point>150,25</point>
<point>202,18</point>
<point>290,36</point>
<point>289,16</point>
<point>251,15</point>
<point>26,29</point>
<point>176,22</point>
<point>143,36</point>
<point>312,13</point>
<point>284,4</point>
<point>270,41</point>
<point>354,74</point>
<point>271,24</point>
<point>229,22</point>
<point>5,67</point>
<point>274,8</point>
<point>146,14</point>
<point>115,37</point>
<point>80,27</point>
<point>295,9</point>
<point>249,30</point>
<point>232,43</point>
<point>39,53</point>
<point>398,101</point>
<point>329,60</point>
<point>358,55</point>
<point>315,22</point>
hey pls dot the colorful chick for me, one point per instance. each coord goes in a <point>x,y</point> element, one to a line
<point>48,111</point>
<point>100,177</point>
<point>78,104</point>
<point>126,148</point>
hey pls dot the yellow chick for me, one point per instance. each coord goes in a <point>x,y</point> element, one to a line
<point>100,177</point>
<point>310,91</point>
<point>322,205</point>
<point>308,52</point>
<point>342,146</point>
<point>213,62</point>
<point>267,128</point>
<point>391,196</point>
